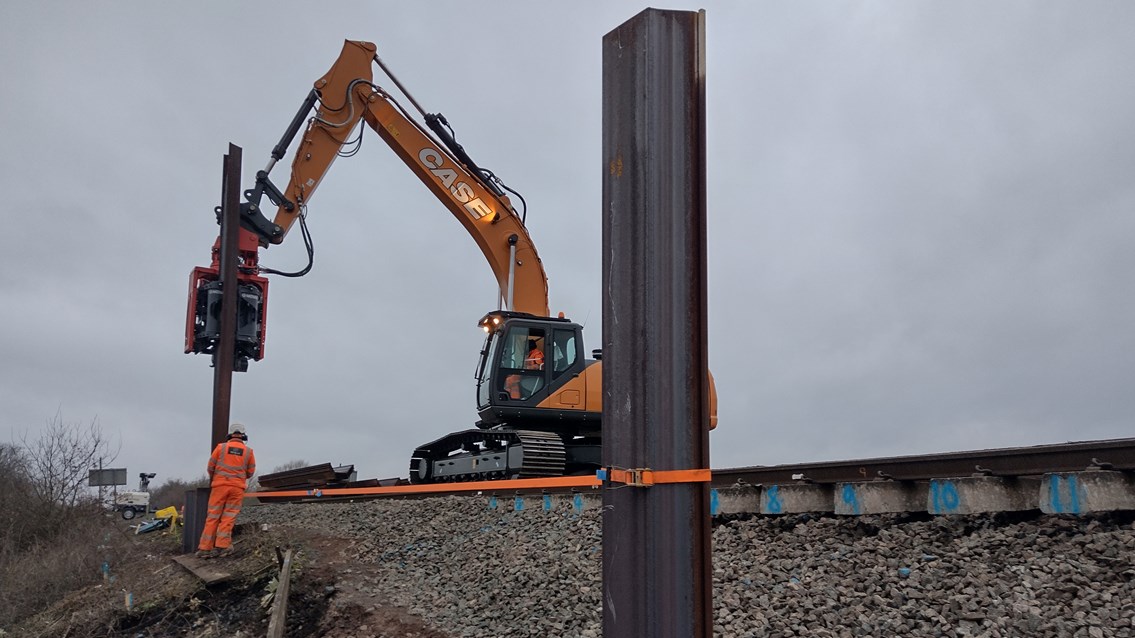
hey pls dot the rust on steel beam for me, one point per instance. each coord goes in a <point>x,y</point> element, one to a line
<point>304,476</point>
<point>224,356</point>
<point>656,540</point>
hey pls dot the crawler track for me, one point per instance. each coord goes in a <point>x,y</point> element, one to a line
<point>482,455</point>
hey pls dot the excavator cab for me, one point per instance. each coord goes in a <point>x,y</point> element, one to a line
<point>526,366</point>
<point>539,402</point>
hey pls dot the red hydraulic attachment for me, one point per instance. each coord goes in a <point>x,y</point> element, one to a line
<point>203,316</point>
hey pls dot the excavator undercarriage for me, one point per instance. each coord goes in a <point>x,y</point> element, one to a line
<point>502,453</point>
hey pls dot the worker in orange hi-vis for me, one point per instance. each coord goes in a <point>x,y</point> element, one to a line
<point>230,466</point>
<point>535,358</point>
<point>533,361</point>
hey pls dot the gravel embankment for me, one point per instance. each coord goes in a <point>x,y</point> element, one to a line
<point>471,571</point>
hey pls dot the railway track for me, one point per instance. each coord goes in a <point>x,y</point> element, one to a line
<point>1010,463</point>
<point>795,574</point>
<point>1116,454</point>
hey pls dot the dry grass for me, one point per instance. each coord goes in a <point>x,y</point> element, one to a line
<point>58,563</point>
<point>166,599</point>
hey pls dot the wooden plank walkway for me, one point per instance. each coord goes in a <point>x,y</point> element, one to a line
<point>208,571</point>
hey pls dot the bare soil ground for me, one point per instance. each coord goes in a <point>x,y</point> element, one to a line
<point>153,597</point>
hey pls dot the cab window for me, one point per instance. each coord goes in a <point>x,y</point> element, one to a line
<point>522,363</point>
<point>563,351</point>
<point>484,368</point>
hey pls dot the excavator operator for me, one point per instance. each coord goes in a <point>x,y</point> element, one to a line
<point>535,358</point>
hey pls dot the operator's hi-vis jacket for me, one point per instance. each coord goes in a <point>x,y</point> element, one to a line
<point>232,463</point>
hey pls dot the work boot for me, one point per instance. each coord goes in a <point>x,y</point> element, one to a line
<point>205,553</point>
<point>228,551</point>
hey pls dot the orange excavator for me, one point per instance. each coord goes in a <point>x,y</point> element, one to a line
<point>539,398</point>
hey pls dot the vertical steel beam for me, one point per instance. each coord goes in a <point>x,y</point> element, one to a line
<point>196,509</point>
<point>656,540</point>
<point>197,501</point>
<point>225,353</point>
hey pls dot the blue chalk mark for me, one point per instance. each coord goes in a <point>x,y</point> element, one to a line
<point>577,503</point>
<point>944,497</point>
<point>1054,488</point>
<point>1054,493</point>
<point>547,502</point>
<point>774,506</point>
<point>950,498</point>
<point>850,498</point>
<point>492,502</point>
<point>518,504</point>
<point>714,503</point>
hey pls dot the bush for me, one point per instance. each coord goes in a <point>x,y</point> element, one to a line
<point>58,563</point>
<point>15,501</point>
<point>172,492</point>
<point>53,535</point>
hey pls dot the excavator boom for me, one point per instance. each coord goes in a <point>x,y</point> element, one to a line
<point>347,94</point>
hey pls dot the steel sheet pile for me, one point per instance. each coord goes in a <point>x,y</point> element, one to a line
<point>473,571</point>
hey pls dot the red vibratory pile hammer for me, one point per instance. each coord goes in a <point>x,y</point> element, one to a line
<point>203,316</point>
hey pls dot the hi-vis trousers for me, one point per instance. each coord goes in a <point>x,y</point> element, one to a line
<point>224,505</point>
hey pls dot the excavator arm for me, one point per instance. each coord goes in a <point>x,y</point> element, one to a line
<point>347,94</point>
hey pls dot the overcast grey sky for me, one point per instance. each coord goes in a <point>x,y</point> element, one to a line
<point>920,221</point>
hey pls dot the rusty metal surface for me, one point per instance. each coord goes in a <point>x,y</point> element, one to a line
<point>1118,454</point>
<point>226,345</point>
<point>656,556</point>
<point>196,508</point>
<point>310,476</point>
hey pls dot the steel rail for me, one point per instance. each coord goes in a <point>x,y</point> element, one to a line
<point>1116,454</point>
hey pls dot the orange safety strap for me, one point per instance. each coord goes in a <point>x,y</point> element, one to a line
<point>645,477</point>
